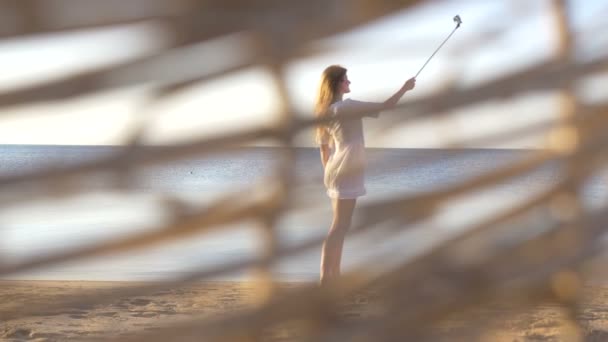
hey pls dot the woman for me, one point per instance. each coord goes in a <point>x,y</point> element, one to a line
<point>343,156</point>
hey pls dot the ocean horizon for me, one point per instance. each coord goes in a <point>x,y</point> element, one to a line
<point>37,226</point>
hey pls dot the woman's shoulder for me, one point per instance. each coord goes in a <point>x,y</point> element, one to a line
<point>352,104</point>
<point>342,103</point>
<point>349,102</point>
<point>368,108</point>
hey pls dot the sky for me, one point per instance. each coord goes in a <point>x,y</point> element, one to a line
<point>379,57</point>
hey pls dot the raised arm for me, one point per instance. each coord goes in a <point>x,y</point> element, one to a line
<point>373,109</point>
<point>407,86</point>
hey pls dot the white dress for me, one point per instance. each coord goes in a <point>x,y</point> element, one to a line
<point>345,168</point>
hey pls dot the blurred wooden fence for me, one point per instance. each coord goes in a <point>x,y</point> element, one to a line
<point>471,267</point>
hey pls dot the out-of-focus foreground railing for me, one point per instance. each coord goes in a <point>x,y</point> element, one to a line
<point>470,267</point>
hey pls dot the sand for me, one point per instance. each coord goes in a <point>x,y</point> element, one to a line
<point>116,318</point>
<point>135,314</point>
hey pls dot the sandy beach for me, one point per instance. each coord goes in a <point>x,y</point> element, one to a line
<point>118,318</point>
<point>114,318</point>
<point>136,314</point>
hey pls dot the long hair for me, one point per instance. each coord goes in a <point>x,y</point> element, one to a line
<point>327,95</point>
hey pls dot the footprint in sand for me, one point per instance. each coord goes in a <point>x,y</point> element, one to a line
<point>535,336</point>
<point>144,314</point>
<point>107,314</point>
<point>545,323</point>
<point>17,333</point>
<point>76,314</point>
<point>140,302</point>
<point>36,336</point>
<point>23,334</point>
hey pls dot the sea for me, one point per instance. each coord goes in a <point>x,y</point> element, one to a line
<point>42,219</point>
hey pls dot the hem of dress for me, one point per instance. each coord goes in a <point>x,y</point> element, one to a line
<point>342,195</point>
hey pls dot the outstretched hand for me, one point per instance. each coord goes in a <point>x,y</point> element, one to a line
<point>392,101</point>
<point>410,84</point>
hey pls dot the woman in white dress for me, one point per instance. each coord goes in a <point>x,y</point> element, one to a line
<point>343,156</point>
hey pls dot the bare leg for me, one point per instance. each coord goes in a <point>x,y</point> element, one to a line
<point>331,255</point>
